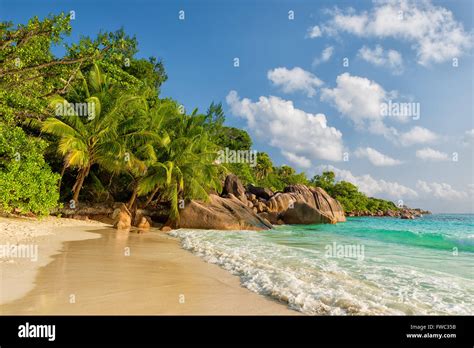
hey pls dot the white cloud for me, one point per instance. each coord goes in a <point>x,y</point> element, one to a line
<point>352,23</point>
<point>379,57</point>
<point>360,100</point>
<point>373,187</point>
<point>301,136</point>
<point>431,30</point>
<point>470,187</point>
<point>425,191</point>
<point>356,97</point>
<point>376,158</point>
<point>429,154</point>
<point>440,190</point>
<point>300,161</point>
<point>326,54</point>
<point>468,138</point>
<point>417,135</point>
<point>314,32</point>
<point>293,80</point>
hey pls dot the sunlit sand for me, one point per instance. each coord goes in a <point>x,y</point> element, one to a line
<point>133,273</point>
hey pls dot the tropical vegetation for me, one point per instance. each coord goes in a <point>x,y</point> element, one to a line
<point>90,126</point>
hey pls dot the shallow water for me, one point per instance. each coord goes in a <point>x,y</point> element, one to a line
<point>364,266</point>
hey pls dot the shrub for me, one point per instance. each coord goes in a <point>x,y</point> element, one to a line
<point>27,183</point>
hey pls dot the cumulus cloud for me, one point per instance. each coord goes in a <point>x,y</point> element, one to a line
<point>361,100</point>
<point>326,54</point>
<point>301,136</point>
<point>294,80</point>
<point>314,32</point>
<point>358,98</point>
<point>429,154</point>
<point>379,57</point>
<point>299,161</point>
<point>440,190</point>
<point>376,158</point>
<point>371,186</point>
<point>417,135</point>
<point>431,30</point>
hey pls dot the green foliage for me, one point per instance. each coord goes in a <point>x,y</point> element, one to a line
<point>325,180</point>
<point>187,168</point>
<point>289,176</point>
<point>28,69</point>
<point>27,183</point>
<point>233,139</point>
<point>243,170</point>
<point>215,117</point>
<point>349,196</point>
<point>264,166</point>
<point>87,139</point>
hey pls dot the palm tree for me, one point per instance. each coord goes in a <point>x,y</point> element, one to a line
<point>143,139</point>
<point>264,166</point>
<point>188,169</point>
<point>85,141</point>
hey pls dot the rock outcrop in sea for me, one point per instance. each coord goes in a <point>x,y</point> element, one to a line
<point>257,208</point>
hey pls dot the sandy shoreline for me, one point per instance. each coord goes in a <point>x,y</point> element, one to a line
<point>85,267</point>
<point>44,238</point>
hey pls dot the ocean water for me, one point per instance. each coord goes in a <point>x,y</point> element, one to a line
<point>366,265</point>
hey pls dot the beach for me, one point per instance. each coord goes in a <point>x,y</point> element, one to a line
<point>86,267</point>
<point>367,266</point>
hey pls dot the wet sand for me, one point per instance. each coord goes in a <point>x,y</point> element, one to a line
<point>42,239</point>
<point>136,273</point>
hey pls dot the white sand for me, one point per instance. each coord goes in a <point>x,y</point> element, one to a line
<point>41,239</point>
<point>156,277</point>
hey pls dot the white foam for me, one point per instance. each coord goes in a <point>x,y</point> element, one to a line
<point>313,284</point>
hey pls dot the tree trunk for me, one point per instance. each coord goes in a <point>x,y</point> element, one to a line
<point>148,201</point>
<point>62,174</point>
<point>79,182</point>
<point>133,198</point>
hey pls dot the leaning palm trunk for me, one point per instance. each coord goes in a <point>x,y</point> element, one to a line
<point>79,182</point>
<point>152,195</point>
<point>62,174</point>
<point>132,200</point>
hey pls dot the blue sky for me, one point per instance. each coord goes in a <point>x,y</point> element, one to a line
<point>310,111</point>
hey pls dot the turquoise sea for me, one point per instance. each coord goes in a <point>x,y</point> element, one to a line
<point>367,265</point>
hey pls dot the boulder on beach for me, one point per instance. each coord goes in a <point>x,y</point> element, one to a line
<point>325,209</point>
<point>260,192</point>
<point>232,185</point>
<point>303,213</point>
<point>122,218</point>
<point>328,205</point>
<point>407,216</point>
<point>221,214</point>
<point>166,229</point>
<point>258,208</point>
<point>143,222</point>
<point>272,217</point>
